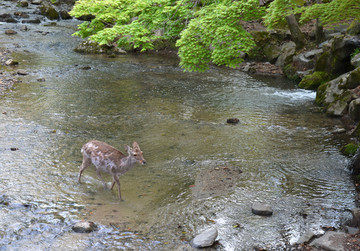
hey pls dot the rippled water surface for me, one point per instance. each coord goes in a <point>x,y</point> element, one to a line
<point>285,148</point>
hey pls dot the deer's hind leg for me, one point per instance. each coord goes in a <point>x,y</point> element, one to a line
<point>85,164</point>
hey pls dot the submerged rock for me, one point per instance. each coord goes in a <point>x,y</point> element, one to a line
<point>232,121</point>
<point>261,209</point>
<point>215,181</point>
<point>205,238</point>
<point>84,227</point>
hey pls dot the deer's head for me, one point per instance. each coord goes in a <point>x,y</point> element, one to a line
<point>136,153</point>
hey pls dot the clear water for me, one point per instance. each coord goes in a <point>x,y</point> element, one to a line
<point>285,148</point>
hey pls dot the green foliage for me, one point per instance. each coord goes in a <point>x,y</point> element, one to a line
<point>205,31</point>
<point>355,52</point>
<point>333,12</point>
<point>349,149</point>
<point>210,31</point>
<point>216,35</point>
<point>328,12</point>
<point>278,10</point>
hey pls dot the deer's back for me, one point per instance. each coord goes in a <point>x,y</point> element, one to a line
<point>102,155</point>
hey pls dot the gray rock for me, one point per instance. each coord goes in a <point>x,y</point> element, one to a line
<point>305,61</point>
<point>272,52</point>
<point>354,109</point>
<point>355,61</point>
<point>332,241</point>
<point>205,238</point>
<point>84,227</point>
<point>261,209</point>
<point>36,2</point>
<point>24,28</point>
<point>355,222</point>
<point>11,62</point>
<point>351,230</point>
<point>287,52</point>
<point>306,237</point>
<point>22,72</point>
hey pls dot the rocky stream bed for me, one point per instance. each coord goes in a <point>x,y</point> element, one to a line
<point>221,179</point>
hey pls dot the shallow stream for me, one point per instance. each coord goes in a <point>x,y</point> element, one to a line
<point>283,145</point>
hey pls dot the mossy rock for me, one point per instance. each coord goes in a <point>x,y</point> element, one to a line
<point>322,62</point>
<point>163,44</point>
<point>92,47</point>
<point>321,94</point>
<point>49,11</point>
<point>353,80</point>
<point>349,150</point>
<point>354,28</point>
<point>291,73</point>
<point>313,81</point>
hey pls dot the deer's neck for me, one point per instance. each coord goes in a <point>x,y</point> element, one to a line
<point>128,162</point>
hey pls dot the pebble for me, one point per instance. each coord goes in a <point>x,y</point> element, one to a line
<point>232,121</point>
<point>10,32</point>
<point>22,72</point>
<point>205,238</point>
<point>84,227</point>
<point>11,62</point>
<point>262,209</point>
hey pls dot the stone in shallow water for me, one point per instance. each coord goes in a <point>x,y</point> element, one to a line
<point>261,209</point>
<point>330,241</point>
<point>84,227</point>
<point>205,239</point>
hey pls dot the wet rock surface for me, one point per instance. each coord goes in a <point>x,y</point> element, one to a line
<point>205,238</point>
<point>333,241</point>
<point>261,209</point>
<point>84,227</point>
<point>215,181</point>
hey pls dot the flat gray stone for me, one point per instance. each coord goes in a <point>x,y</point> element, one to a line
<point>261,209</point>
<point>205,239</point>
<point>332,241</point>
<point>306,237</point>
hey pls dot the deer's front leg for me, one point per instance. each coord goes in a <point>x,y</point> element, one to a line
<point>116,179</point>
<point>85,163</point>
<point>101,178</point>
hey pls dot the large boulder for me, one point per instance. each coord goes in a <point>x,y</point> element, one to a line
<point>287,52</point>
<point>313,81</point>
<point>337,60</point>
<point>305,61</point>
<point>354,28</point>
<point>355,60</point>
<point>354,167</point>
<point>334,241</point>
<point>268,45</point>
<point>49,11</point>
<point>329,92</point>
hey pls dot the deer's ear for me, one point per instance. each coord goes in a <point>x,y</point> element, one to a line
<point>128,149</point>
<point>135,145</point>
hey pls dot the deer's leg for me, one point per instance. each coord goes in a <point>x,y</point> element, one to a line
<point>116,179</point>
<point>101,178</point>
<point>85,164</point>
<point>112,185</point>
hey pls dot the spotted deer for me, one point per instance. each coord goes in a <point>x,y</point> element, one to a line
<point>108,159</point>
